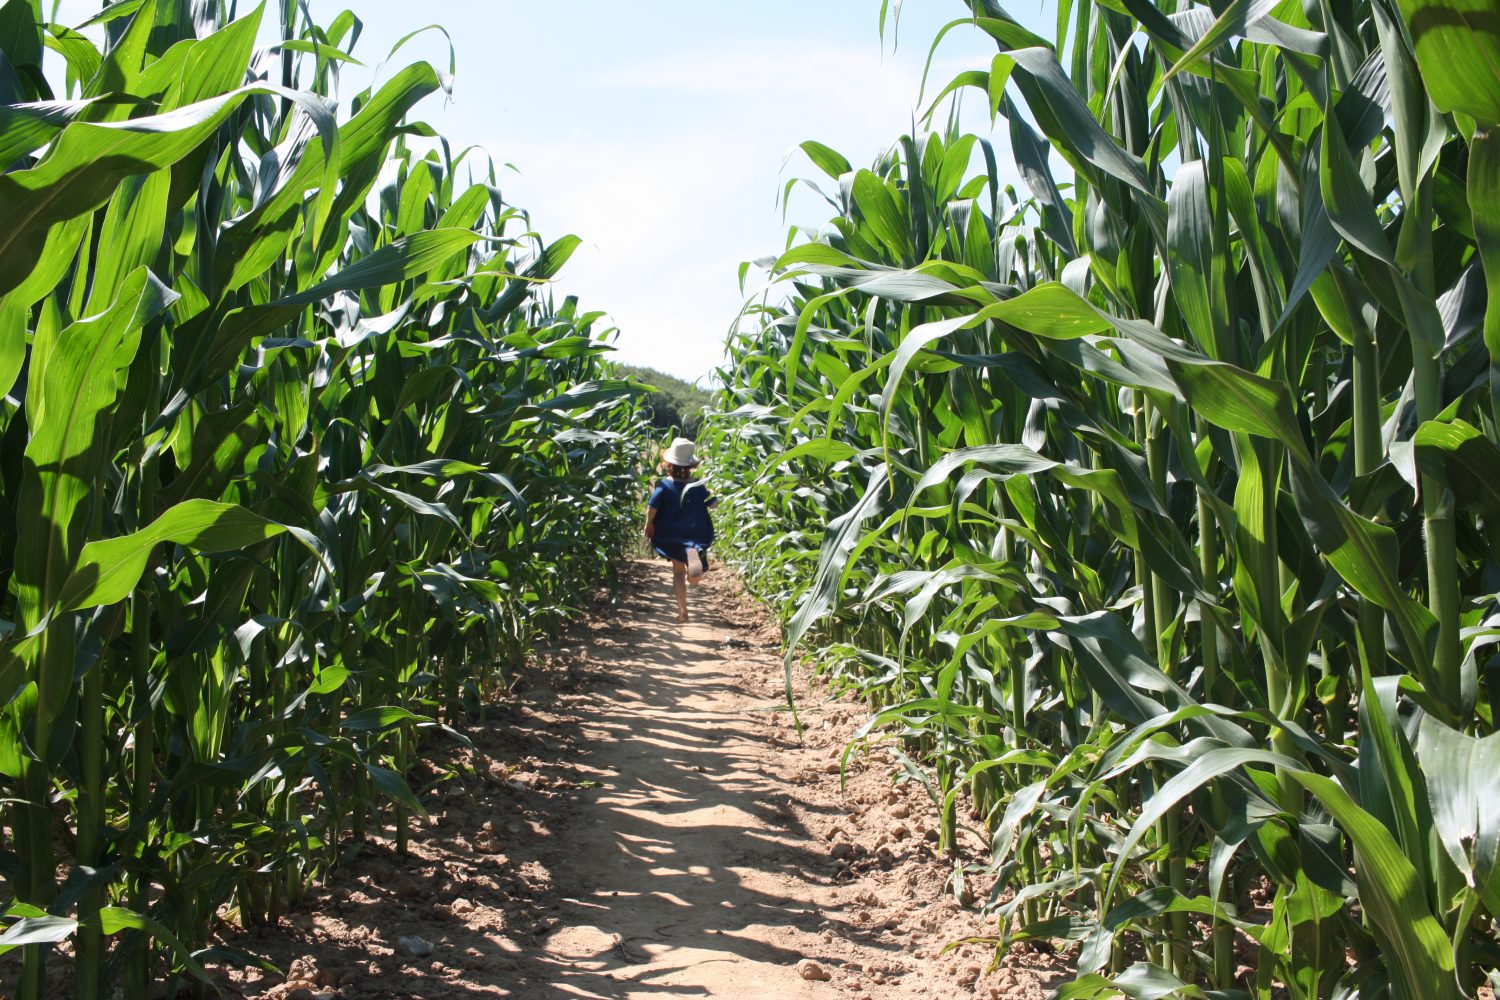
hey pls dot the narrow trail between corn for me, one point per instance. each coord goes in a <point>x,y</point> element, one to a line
<point>643,821</point>
<point>700,883</point>
<point>714,861</point>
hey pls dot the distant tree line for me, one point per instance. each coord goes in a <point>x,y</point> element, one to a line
<point>676,403</point>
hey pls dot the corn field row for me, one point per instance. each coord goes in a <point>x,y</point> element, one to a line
<point>299,456</point>
<point>1155,508</point>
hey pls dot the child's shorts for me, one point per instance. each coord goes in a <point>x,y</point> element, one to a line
<point>678,553</point>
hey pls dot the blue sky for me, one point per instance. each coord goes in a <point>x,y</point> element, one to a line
<point>661,132</point>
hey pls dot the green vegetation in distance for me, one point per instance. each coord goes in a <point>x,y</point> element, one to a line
<point>1155,510</point>
<point>676,405</point>
<point>300,456</point>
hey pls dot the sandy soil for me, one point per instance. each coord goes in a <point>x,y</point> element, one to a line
<point>641,823</point>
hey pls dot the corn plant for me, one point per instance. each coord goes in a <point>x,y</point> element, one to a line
<point>300,456</point>
<point>1155,507</point>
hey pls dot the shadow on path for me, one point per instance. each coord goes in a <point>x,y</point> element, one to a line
<point>686,873</point>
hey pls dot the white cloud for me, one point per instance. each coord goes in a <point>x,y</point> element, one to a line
<point>668,213</point>
<point>790,71</point>
<point>656,255</point>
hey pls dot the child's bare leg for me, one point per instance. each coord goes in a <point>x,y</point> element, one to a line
<point>695,566</point>
<point>679,590</point>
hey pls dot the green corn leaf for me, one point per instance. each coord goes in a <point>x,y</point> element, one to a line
<point>1348,199</point>
<point>209,65</point>
<point>1074,130</point>
<point>436,468</point>
<point>312,48</point>
<point>832,561</point>
<point>82,57</point>
<point>1390,893</point>
<point>1238,401</point>
<point>804,323</point>
<point>1459,454</point>
<point>113,11</point>
<point>394,787</point>
<point>19,39</point>
<point>404,259</point>
<point>25,128</point>
<point>108,570</point>
<point>114,919</point>
<point>1462,775</point>
<point>1204,768</point>
<point>541,270</point>
<point>1142,981</point>
<point>819,450</point>
<point>76,377</point>
<point>1190,250</point>
<point>814,253</point>
<point>978,79</point>
<point>825,159</point>
<point>379,720</point>
<point>1457,45</point>
<point>12,344</point>
<point>132,229</point>
<point>883,213</point>
<point>254,241</point>
<point>88,161</point>
<point>1364,553</point>
<point>1235,19</point>
<point>1122,671</point>
<point>1390,782</point>
<point>1009,32</point>
<point>1484,201</point>
<point>37,930</point>
<point>591,394</point>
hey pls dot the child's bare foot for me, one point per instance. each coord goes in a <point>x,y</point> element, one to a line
<point>682,618</point>
<point>694,564</point>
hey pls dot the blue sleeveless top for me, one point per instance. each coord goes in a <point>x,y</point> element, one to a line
<point>682,513</point>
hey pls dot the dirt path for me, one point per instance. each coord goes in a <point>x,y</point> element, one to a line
<point>642,823</point>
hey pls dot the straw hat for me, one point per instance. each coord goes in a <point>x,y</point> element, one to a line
<point>680,452</point>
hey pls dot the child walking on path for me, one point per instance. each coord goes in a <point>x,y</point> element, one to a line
<point>677,520</point>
